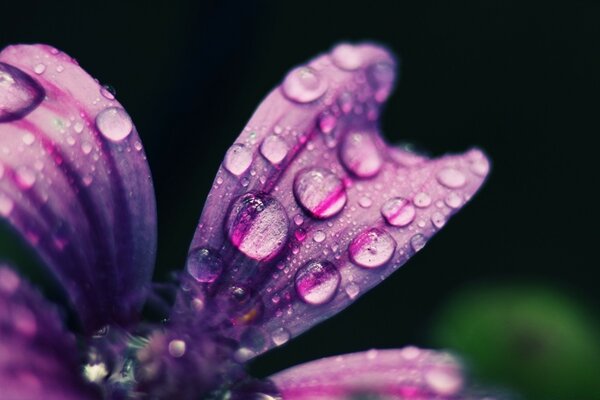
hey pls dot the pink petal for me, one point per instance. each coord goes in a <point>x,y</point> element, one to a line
<point>408,373</point>
<point>38,359</point>
<point>74,182</point>
<point>311,208</point>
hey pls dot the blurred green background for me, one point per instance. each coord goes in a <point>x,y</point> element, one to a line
<point>510,284</point>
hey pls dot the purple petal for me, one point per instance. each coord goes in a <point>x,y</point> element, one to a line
<point>74,182</point>
<point>409,373</point>
<point>38,359</point>
<point>311,208</point>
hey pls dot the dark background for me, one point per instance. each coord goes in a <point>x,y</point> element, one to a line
<point>518,79</point>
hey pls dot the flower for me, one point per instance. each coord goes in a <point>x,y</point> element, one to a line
<point>309,210</point>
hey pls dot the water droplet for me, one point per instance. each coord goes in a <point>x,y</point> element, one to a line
<point>78,127</point>
<point>451,178</point>
<point>444,381</point>
<point>86,148</point>
<point>365,202</point>
<point>410,352</point>
<point>300,234</point>
<point>438,220</point>
<point>398,211</point>
<point>255,339</point>
<point>480,166</point>
<point>108,92</point>
<point>19,93</point>
<point>39,68</point>
<point>317,281</point>
<point>327,122</point>
<point>298,220</point>
<point>258,225</point>
<point>274,149</point>
<point>204,265</point>
<point>372,248</point>
<point>346,102</point>
<point>177,348</point>
<point>114,123</point>
<point>237,159</point>
<point>453,200</point>
<point>381,77</point>
<point>24,177</point>
<point>352,290</point>
<point>320,192</point>
<point>303,84</point>
<point>9,281</point>
<point>60,68</point>
<point>422,200</point>
<point>347,56</point>
<point>28,138</point>
<point>418,241</point>
<point>360,154</point>
<point>280,336</point>
<point>319,236</point>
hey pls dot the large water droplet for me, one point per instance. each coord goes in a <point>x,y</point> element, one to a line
<point>114,123</point>
<point>274,149</point>
<point>347,56</point>
<point>418,241</point>
<point>372,248</point>
<point>237,159</point>
<point>257,225</point>
<point>204,265</point>
<point>352,290</point>
<point>317,281</point>
<point>398,211</point>
<point>280,336</point>
<point>451,178</point>
<point>381,76</point>
<point>320,192</point>
<point>303,84</point>
<point>19,93</point>
<point>360,154</point>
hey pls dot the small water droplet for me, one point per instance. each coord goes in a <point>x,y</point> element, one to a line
<point>28,138</point>
<point>257,225</point>
<point>347,56</point>
<point>352,290</point>
<point>9,281</point>
<point>6,205</point>
<point>410,352</point>
<point>346,102</point>
<point>372,248</point>
<point>204,265</point>
<point>451,178</point>
<point>298,220</point>
<point>39,68</point>
<point>19,93</point>
<point>398,211</point>
<point>237,159</point>
<point>280,336</point>
<point>327,122</point>
<point>360,154</point>
<point>422,200</point>
<point>303,84</point>
<point>177,348</point>
<point>320,192</point>
<point>300,234</point>
<point>319,236</point>
<point>365,202</point>
<point>78,127</point>
<point>444,380</point>
<point>108,92</point>
<point>453,200</point>
<point>480,166</point>
<point>274,149</point>
<point>381,77</point>
<point>25,177</point>
<point>114,123</point>
<point>438,220</point>
<point>317,281</point>
<point>60,68</point>
<point>255,339</point>
<point>418,241</point>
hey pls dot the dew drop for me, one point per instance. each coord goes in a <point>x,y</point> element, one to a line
<point>398,211</point>
<point>381,77</point>
<point>280,336</point>
<point>204,265</point>
<point>257,225</point>
<point>274,149</point>
<point>114,123</point>
<point>39,68</point>
<point>346,102</point>
<point>60,68</point>
<point>320,192</point>
<point>317,281</point>
<point>9,281</point>
<point>480,166</point>
<point>19,93</point>
<point>327,122</point>
<point>6,205</point>
<point>177,348</point>
<point>418,241</point>
<point>451,178</point>
<point>28,138</point>
<point>438,220</point>
<point>78,127</point>
<point>352,290</point>
<point>347,57</point>
<point>360,155</point>
<point>422,200</point>
<point>372,248</point>
<point>365,202</point>
<point>298,220</point>
<point>453,200</point>
<point>319,236</point>
<point>24,177</point>
<point>303,85</point>
<point>444,381</point>
<point>108,92</point>
<point>255,339</point>
<point>237,159</point>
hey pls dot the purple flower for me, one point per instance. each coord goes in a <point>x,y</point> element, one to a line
<point>309,210</point>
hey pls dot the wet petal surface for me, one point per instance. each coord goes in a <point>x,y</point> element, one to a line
<point>304,224</point>
<point>38,359</point>
<point>74,182</point>
<point>408,373</point>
